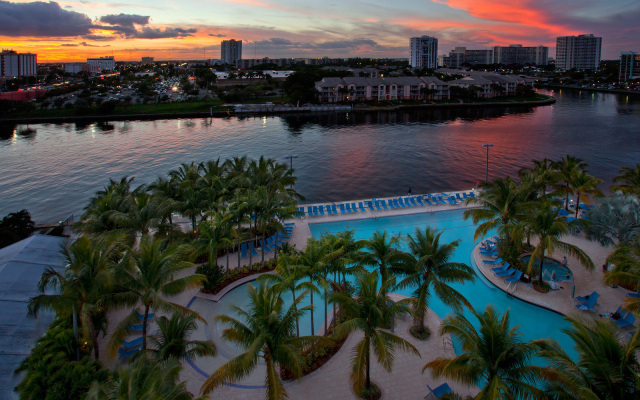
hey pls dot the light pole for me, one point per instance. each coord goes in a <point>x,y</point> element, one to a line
<point>291,165</point>
<point>486,177</point>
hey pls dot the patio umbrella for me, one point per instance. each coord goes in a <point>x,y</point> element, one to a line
<point>569,219</point>
<point>563,212</point>
<point>584,206</point>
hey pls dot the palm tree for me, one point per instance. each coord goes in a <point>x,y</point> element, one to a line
<point>166,189</point>
<point>626,258</point>
<point>493,356</point>
<point>172,340</point>
<point>368,311</point>
<point>143,380</point>
<point>146,276</point>
<point>542,174</point>
<point>584,184</point>
<point>382,254</point>
<point>212,235</point>
<point>566,168</point>
<point>145,212</point>
<point>312,260</point>
<point>615,219</point>
<point>267,331</point>
<point>238,209</point>
<point>83,288</point>
<point>630,180</point>
<point>548,228</point>
<point>606,366</point>
<point>500,204</point>
<point>428,269</point>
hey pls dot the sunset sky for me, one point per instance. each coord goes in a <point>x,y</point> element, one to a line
<point>192,29</point>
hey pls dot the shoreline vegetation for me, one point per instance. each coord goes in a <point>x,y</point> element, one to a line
<point>591,89</point>
<point>209,110</point>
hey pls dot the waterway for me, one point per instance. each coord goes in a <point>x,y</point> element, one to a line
<point>55,169</point>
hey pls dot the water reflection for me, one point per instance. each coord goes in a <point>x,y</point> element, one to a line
<point>7,130</point>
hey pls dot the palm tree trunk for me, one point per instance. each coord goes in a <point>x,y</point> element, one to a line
<point>577,203</point>
<point>275,248</point>
<point>228,250</point>
<point>566,201</point>
<point>238,244</point>
<point>144,327</point>
<point>94,341</point>
<point>325,307</point>
<point>251,247</point>
<point>541,265</point>
<point>367,382</point>
<point>264,243</point>
<point>74,319</point>
<point>295,309</point>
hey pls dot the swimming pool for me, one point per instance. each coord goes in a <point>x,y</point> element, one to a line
<point>534,322</point>
<point>551,266</point>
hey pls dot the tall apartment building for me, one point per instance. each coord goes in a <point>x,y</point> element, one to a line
<point>146,60</point>
<point>629,66</point>
<point>14,64</point>
<point>519,55</point>
<point>461,56</point>
<point>423,52</point>
<point>580,52</point>
<point>101,64</point>
<point>231,51</point>
<point>76,68</point>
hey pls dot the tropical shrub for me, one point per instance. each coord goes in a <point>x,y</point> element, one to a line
<point>15,227</point>
<point>214,276</point>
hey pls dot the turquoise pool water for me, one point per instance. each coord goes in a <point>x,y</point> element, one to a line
<point>534,322</point>
<point>550,266</point>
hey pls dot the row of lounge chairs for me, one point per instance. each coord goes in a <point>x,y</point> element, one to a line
<point>379,205</point>
<point>506,271</point>
<point>132,346</point>
<point>268,244</point>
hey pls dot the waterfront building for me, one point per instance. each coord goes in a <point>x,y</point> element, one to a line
<point>146,60</point>
<point>14,64</point>
<point>581,52</point>
<point>333,90</point>
<point>231,51</point>
<point>516,54</point>
<point>629,66</point>
<point>460,56</point>
<point>101,64</point>
<point>423,52</point>
<point>76,68</point>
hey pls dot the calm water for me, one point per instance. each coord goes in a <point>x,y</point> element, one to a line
<point>54,171</point>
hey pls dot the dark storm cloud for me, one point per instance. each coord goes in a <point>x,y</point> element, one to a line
<point>125,20</point>
<point>218,35</point>
<point>98,37</point>
<point>41,19</point>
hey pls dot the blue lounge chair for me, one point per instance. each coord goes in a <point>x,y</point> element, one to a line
<point>426,200</point>
<point>132,344</point>
<point>458,197</point>
<point>515,278</point>
<point>300,212</point>
<point>328,209</point>
<point>137,328</point>
<point>584,299</point>
<point>400,202</point>
<point>508,272</point>
<point>503,268</point>
<point>472,195</point>
<point>252,249</point>
<point>354,207</point>
<point>271,242</point>
<point>627,321</point>
<point>452,201</point>
<point>381,204</point>
<point>334,209</point>
<point>320,210</point>
<point>141,316</point>
<point>243,250</point>
<point>413,202</point>
<point>441,200</point>
<point>419,200</point>
<point>342,209</point>
<point>404,202</point>
<point>289,224</point>
<point>408,203</point>
<point>127,353</point>
<point>266,248</point>
<point>349,211</point>
<point>391,205</point>
<point>361,207</point>
<point>370,205</point>
<point>440,390</point>
<point>496,261</point>
<point>635,295</point>
<point>589,305</point>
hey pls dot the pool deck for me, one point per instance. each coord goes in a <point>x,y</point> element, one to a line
<point>585,281</point>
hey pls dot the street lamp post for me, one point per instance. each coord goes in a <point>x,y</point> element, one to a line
<point>486,177</point>
<point>291,165</point>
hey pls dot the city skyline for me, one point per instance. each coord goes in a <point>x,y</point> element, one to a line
<point>69,31</point>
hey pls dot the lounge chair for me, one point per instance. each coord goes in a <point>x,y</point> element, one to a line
<point>253,249</point>
<point>472,195</point>
<point>583,299</point>
<point>310,211</point>
<point>137,328</point>
<point>127,353</point>
<point>627,321</point>
<point>508,272</point>
<point>439,391</point>
<point>141,316</point>
<point>132,344</point>
<point>635,295</point>
<point>589,305</point>
<point>458,197</point>
<point>391,205</point>
<point>419,200</point>
<point>300,212</point>
<point>354,207</point>
<point>452,201</point>
<point>496,261</point>
<point>503,268</point>
<point>404,202</point>
<point>271,242</point>
<point>320,210</point>
<point>348,208</point>
<point>361,207</point>
<point>370,205</point>
<point>329,210</point>
<point>243,250</point>
<point>426,200</point>
<point>342,209</point>
<point>400,202</point>
<point>334,210</point>
<point>515,278</point>
<point>289,224</point>
<point>412,200</point>
<point>266,248</point>
<point>380,204</point>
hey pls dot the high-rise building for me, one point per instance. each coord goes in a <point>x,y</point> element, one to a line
<point>460,56</point>
<point>101,64</point>
<point>424,52</point>
<point>76,68</point>
<point>516,54</point>
<point>14,64</point>
<point>231,51</point>
<point>629,66</point>
<point>146,60</point>
<point>580,52</point>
